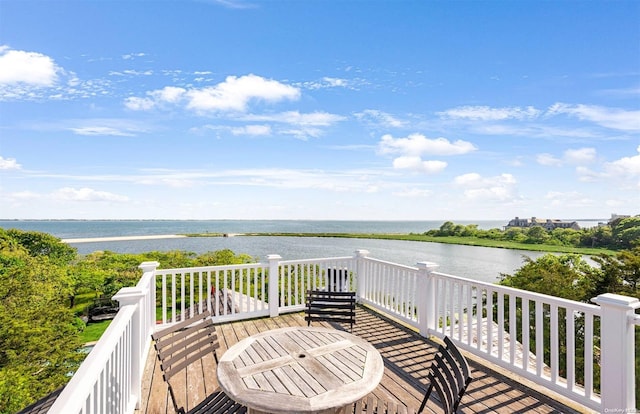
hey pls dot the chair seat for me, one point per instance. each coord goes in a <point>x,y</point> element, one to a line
<point>372,405</point>
<point>220,403</point>
<point>184,343</point>
<point>449,375</point>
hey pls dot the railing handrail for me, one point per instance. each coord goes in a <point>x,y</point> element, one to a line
<point>534,296</point>
<point>321,260</point>
<point>83,380</point>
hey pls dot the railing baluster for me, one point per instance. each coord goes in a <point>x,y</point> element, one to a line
<point>554,342</point>
<point>489,322</point>
<point>539,338</point>
<point>513,331</point>
<point>500,325</point>
<point>588,354</point>
<point>571,349</point>
<point>525,334</point>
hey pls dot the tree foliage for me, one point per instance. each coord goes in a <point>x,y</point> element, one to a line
<point>622,233</point>
<point>39,278</point>
<point>570,277</point>
<point>38,333</point>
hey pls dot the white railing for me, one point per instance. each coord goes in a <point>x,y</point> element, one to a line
<point>390,288</point>
<point>512,328</point>
<point>568,347</point>
<point>110,378</point>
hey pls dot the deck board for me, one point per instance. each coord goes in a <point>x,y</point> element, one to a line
<point>407,357</point>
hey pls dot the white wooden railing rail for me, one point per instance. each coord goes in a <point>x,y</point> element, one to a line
<point>533,335</point>
<point>110,378</point>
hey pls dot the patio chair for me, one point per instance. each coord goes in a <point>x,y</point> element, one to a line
<point>183,344</point>
<point>449,375</point>
<point>331,306</point>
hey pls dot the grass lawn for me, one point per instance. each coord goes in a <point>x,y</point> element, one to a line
<point>94,331</point>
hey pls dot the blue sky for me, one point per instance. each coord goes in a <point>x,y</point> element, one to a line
<point>390,110</point>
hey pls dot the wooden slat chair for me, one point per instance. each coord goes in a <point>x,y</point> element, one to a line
<point>449,375</point>
<point>183,344</point>
<point>331,307</point>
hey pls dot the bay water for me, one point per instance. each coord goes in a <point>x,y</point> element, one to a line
<point>479,263</point>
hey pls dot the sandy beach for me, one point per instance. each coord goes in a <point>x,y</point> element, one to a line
<point>122,238</point>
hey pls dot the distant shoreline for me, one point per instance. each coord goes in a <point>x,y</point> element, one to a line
<point>123,238</point>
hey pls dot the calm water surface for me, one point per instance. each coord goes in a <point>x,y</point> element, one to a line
<point>479,263</point>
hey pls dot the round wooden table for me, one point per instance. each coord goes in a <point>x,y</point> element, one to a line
<point>300,370</point>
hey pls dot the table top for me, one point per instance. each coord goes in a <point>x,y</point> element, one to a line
<point>300,369</point>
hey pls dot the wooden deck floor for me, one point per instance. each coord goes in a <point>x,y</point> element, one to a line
<point>407,357</point>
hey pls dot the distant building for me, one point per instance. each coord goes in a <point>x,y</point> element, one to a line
<point>549,224</point>
<point>615,217</point>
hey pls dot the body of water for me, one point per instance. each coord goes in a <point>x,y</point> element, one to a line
<point>479,263</point>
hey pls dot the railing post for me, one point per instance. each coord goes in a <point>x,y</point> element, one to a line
<point>426,297</point>
<point>617,376</point>
<point>360,275</point>
<point>134,296</point>
<point>149,275</point>
<point>274,282</point>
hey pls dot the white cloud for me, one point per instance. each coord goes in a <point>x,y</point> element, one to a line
<point>580,156</point>
<point>485,113</point>
<point>24,195</point>
<point>380,118</point>
<point>301,125</point>
<point>327,82</point>
<point>476,187</point>
<point>87,194</point>
<point>235,4</point>
<point>413,193</point>
<point>624,167</point>
<point>31,68</point>
<point>170,94</point>
<point>568,199</point>
<point>235,93</point>
<point>232,95</point>
<point>548,160</point>
<point>418,144</point>
<point>131,56</point>
<point>416,164</point>
<point>101,131</point>
<point>613,118</point>
<point>296,118</point>
<point>139,104</point>
<point>9,164</point>
<point>623,173</point>
<point>255,130</point>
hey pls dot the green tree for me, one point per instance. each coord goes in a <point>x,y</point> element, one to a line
<point>537,235</point>
<point>38,333</point>
<point>565,276</point>
<point>43,244</point>
<point>620,273</point>
<point>515,234</point>
<point>626,232</point>
<point>599,236</point>
<point>447,229</point>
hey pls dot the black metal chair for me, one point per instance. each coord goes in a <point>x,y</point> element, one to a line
<point>331,306</point>
<point>183,344</point>
<point>449,375</point>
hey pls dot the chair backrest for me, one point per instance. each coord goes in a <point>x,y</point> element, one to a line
<point>449,375</point>
<point>184,343</point>
<point>463,374</point>
<point>331,306</point>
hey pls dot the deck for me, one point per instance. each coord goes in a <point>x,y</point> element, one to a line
<point>407,357</point>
